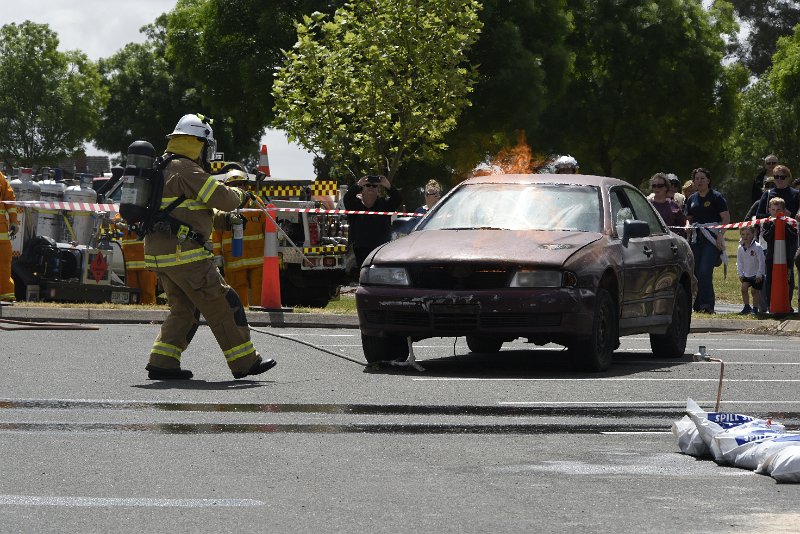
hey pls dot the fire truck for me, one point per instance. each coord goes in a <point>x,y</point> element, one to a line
<point>312,247</point>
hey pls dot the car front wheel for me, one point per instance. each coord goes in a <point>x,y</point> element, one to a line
<point>595,353</point>
<point>672,344</point>
<point>384,348</point>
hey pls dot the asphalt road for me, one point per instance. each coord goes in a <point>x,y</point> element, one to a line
<point>509,442</point>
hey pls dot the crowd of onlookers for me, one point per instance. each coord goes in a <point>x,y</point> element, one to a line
<point>695,210</point>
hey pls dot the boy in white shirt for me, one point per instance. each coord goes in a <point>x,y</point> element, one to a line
<point>750,266</point>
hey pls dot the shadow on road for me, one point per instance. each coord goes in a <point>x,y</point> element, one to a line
<point>529,364</point>
<point>203,384</point>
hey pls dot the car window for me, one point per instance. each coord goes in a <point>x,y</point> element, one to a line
<point>518,207</point>
<point>644,211</point>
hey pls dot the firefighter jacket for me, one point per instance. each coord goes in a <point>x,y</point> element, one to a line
<point>252,243</point>
<point>203,195</point>
<point>8,212</point>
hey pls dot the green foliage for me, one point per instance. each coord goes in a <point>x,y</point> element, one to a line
<point>766,20</point>
<point>649,91</point>
<point>230,50</point>
<point>380,83</point>
<point>147,97</point>
<point>49,100</point>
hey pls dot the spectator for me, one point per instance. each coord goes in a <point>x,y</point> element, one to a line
<point>669,210</point>
<point>687,189</point>
<point>433,192</point>
<point>778,205</point>
<point>783,177</point>
<point>750,267</point>
<point>705,208</point>
<point>758,182</point>
<point>367,232</point>
<point>769,183</point>
<point>674,191</point>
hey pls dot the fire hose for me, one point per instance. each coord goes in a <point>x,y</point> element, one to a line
<point>29,325</point>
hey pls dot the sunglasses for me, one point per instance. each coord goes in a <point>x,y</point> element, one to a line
<point>431,194</point>
<point>781,177</point>
<point>771,162</point>
<point>373,186</point>
<point>658,186</point>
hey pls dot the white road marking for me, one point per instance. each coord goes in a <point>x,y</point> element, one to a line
<point>34,500</point>
<point>637,403</point>
<point>469,379</point>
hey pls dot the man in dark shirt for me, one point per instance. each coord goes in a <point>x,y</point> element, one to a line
<point>367,232</point>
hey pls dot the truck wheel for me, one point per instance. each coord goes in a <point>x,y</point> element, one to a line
<point>672,344</point>
<point>595,353</point>
<point>384,348</point>
<point>484,344</point>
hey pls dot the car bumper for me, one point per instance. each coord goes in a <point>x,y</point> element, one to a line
<point>543,314</point>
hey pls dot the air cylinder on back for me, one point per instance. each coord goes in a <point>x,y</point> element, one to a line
<point>137,184</point>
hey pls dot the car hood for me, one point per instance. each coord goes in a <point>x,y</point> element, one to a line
<point>503,246</point>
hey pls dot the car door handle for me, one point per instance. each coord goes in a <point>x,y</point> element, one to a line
<point>647,251</point>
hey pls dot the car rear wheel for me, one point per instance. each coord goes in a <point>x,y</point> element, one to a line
<point>384,348</point>
<point>672,344</point>
<point>484,344</point>
<point>595,353</point>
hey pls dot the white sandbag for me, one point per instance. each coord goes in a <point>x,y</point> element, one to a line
<point>689,441</point>
<point>709,424</point>
<point>727,445</point>
<point>752,457</point>
<point>783,465</point>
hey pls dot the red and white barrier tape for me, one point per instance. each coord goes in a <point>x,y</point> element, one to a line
<point>743,224</point>
<point>114,208</point>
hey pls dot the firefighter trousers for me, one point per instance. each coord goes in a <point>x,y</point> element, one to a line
<point>247,284</point>
<point>198,288</point>
<point>6,282</point>
<point>145,281</point>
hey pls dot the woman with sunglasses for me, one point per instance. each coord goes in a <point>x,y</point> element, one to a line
<point>368,232</point>
<point>758,182</point>
<point>705,209</point>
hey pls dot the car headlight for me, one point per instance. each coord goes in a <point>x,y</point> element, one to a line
<point>541,278</point>
<point>384,276</point>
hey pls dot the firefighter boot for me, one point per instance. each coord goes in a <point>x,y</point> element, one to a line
<point>260,366</point>
<point>161,373</point>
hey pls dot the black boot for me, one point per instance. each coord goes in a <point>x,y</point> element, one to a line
<point>159,373</point>
<point>261,366</point>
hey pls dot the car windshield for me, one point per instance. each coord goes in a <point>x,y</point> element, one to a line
<point>518,207</point>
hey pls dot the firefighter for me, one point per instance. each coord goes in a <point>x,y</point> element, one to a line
<point>8,228</point>
<point>244,273</point>
<point>566,165</point>
<point>176,250</point>
<point>136,275</point>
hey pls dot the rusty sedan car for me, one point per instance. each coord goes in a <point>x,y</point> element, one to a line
<point>570,259</point>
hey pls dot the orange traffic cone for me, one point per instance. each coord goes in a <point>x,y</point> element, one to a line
<point>779,290</point>
<point>271,280</point>
<point>263,161</point>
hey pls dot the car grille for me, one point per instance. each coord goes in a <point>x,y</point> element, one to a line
<point>460,276</point>
<point>443,321</point>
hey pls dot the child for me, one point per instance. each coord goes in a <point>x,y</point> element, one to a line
<point>750,266</point>
<point>777,204</point>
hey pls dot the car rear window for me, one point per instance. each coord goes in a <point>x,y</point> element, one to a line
<point>518,207</point>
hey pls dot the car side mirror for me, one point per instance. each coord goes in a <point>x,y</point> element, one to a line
<point>631,229</point>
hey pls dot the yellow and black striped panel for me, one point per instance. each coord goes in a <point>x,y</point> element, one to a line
<point>281,191</point>
<point>324,188</point>
<point>329,249</point>
<point>216,165</point>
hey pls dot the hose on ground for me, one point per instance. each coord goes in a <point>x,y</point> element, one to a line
<point>342,356</point>
<point>30,325</point>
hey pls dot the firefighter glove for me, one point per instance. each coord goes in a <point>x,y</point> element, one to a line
<point>12,230</point>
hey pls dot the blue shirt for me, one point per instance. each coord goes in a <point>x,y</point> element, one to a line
<point>707,209</point>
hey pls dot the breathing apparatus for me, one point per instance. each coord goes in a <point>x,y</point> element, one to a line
<point>566,164</point>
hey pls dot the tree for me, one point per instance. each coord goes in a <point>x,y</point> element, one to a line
<point>379,84</point>
<point>766,21</point>
<point>648,91</point>
<point>230,50</point>
<point>49,100</point>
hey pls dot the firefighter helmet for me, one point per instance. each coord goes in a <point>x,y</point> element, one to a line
<point>198,126</point>
<point>566,165</point>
